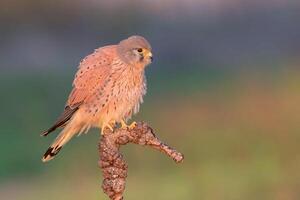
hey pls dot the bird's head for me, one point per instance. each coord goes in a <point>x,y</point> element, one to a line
<point>135,50</point>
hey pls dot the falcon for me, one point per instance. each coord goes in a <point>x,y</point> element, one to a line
<point>108,89</point>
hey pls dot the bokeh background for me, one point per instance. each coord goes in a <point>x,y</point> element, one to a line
<point>224,90</point>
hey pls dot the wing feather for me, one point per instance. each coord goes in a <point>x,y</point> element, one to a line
<point>92,73</point>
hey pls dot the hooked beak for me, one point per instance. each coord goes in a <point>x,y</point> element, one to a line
<point>149,55</point>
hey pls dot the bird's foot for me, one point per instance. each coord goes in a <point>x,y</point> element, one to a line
<point>106,126</point>
<point>125,126</point>
<point>132,125</point>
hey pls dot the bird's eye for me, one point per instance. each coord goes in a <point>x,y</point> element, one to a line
<point>140,50</point>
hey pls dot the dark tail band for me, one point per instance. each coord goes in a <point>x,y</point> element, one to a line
<point>50,153</point>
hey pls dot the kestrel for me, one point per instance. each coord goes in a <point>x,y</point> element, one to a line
<point>108,88</point>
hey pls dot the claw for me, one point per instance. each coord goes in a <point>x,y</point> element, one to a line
<point>132,125</point>
<point>125,126</point>
<point>106,126</point>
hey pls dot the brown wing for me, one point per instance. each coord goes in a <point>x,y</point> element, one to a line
<point>92,74</point>
<point>93,71</point>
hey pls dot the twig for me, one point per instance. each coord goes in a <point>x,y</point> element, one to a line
<point>114,167</point>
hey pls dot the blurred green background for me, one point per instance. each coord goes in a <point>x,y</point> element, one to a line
<point>223,89</point>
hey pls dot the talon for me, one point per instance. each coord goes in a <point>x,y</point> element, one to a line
<point>125,126</point>
<point>106,126</point>
<point>132,125</point>
<point>111,128</point>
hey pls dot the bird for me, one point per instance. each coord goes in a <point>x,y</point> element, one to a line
<point>108,89</point>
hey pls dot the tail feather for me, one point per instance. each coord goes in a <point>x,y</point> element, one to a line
<point>58,143</point>
<point>63,119</point>
<point>50,153</point>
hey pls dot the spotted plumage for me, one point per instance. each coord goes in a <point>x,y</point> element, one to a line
<point>108,88</point>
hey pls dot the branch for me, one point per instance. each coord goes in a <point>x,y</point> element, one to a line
<point>114,167</point>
